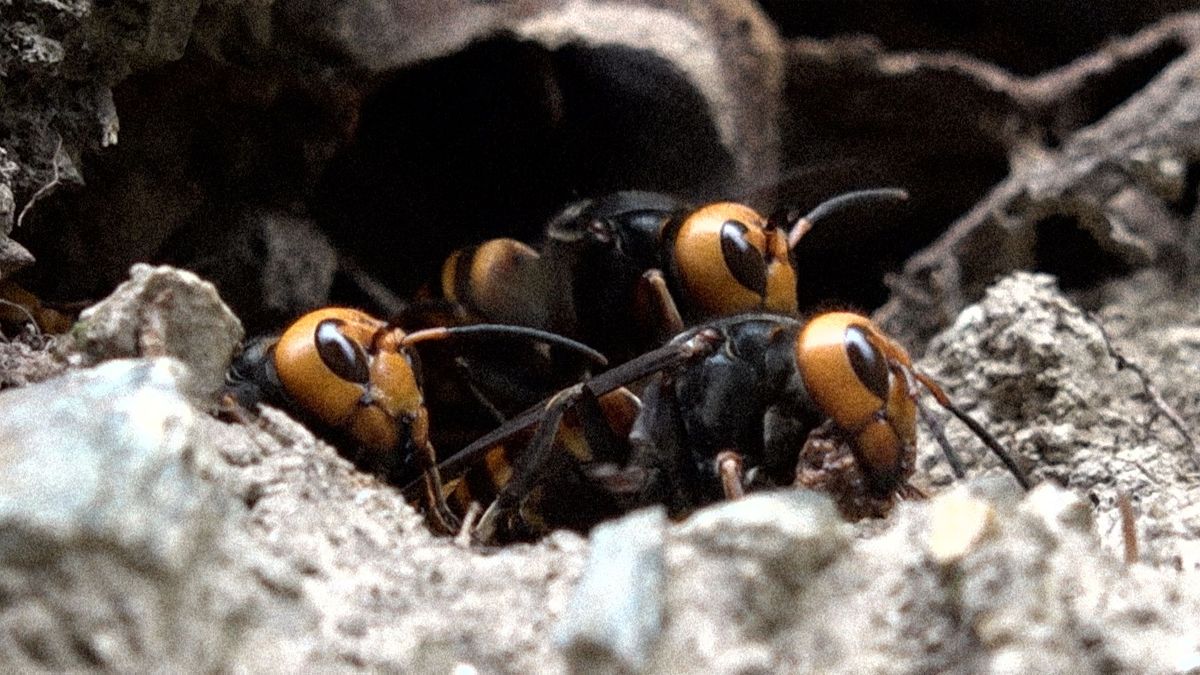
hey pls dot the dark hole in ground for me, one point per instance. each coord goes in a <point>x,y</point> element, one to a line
<point>200,144</point>
<point>487,142</point>
<point>1024,36</point>
<point>842,263</point>
<point>1072,254</point>
<point>1097,97</point>
<point>925,133</point>
<point>492,141</point>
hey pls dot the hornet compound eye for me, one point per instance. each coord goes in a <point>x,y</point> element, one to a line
<point>869,365</point>
<point>340,354</point>
<point>744,261</point>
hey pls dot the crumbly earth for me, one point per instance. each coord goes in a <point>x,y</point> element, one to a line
<point>320,566</point>
<point>1038,371</point>
<point>25,359</point>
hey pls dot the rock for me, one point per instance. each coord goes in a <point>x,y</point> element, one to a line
<point>27,359</point>
<point>1030,590</point>
<point>957,523</point>
<point>270,268</point>
<point>8,206</point>
<point>13,256</point>
<point>62,60</point>
<point>367,586</point>
<point>792,531</point>
<point>1031,594</point>
<point>737,571</point>
<point>161,311</point>
<point>1031,366</point>
<point>107,540</point>
<point>615,614</point>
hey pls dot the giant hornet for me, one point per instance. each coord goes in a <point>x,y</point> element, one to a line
<point>358,381</point>
<point>744,402</point>
<point>625,272</point>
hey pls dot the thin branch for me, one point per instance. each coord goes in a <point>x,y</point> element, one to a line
<point>36,328</point>
<point>42,191</point>
<point>1152,392</point>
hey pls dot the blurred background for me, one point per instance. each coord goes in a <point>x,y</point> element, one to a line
<point>299,153</point>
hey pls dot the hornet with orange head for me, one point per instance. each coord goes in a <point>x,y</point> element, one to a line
<point>627,271</point>
<point>358,380</point>
<point>754,401</point>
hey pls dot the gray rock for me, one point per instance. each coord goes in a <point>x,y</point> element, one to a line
<point>358,580</point>
<point>63,57</point>
<point>105,533</point>
<point>1035,370</point>
<point>13,256</point>
<point>792,532</point>
<point>27,359</point>
<point>738,572</point>
<point>161,311</point>
<point>270,268</point>
<point>615,614</point>
<point>1025,592</point>
<point>963,583</point>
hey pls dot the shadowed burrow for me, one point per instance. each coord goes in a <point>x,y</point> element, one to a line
<point>493,140</point>
<point>255,173</point>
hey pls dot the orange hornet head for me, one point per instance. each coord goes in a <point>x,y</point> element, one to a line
<point>729,260</point>
<point>862,380</point>
<point>350,371</point>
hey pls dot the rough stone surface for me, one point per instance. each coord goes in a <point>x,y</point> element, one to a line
<point>58,62</point>
<point>26,359</point>
<point>737,573</point>
<point>8,207</point>
<point>1031,591</point>
<point>111,549</point>
<point>615,614</point>
<point>1035,369</point>
<point>324,567</point>
<point>13,257</point>
<point>390,595</point>
<point>161,311</point>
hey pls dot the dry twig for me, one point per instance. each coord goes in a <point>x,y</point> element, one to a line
<point>1123,363</point>
<point>37,330</point>
<point>55,181</point>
